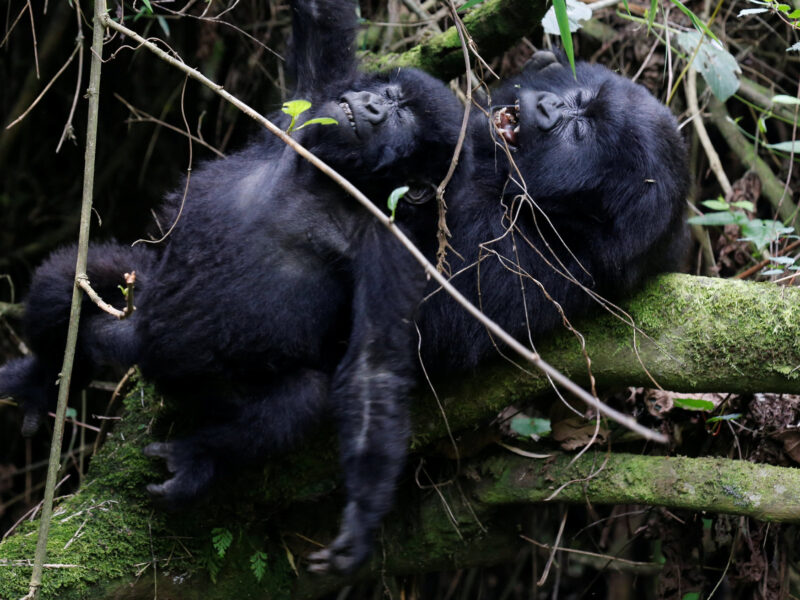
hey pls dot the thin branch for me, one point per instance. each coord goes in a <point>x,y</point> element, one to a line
<point>33,35</point>
<point>140,116</point>
<point>130,280</point>
<point>442,231</point>
<point>68,131</point>
<point>430,269</point>
<point>47,87</point>
<point>714,163</point>
<point>75,309</point>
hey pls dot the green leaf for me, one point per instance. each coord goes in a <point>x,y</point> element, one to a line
<point>763,232</point>
<point>744,205</point>
<point>795,14</point>
<point>767,272</point>
<point>693,404</point>
<point>783,260</point>
<point>716,204</point>
<point>148,6</point>
<point>72,413</point>
<point>394,198</point>
<point>258,565</point>
<point>562,17</point>
<point>530,426</point>
<point>691,596</point>
<point>163,24</point>
<point>784,99</point>
<point>469,4</point>
<point>714,219</point>
<point>717,66</point>
<point>319,121</point>
<point>213,565</point>
<point>751,11</point>
<point>730,417</point>
<point>651,15</point>
<point>787,147</point>
<point>295,108</point>
<point>784,8</point>
<point>221,538</point>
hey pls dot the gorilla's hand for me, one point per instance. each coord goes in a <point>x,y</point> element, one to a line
<point>350,548</point>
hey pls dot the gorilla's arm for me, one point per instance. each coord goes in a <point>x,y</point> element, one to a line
<point>321,53</point>
<point>370,390</point>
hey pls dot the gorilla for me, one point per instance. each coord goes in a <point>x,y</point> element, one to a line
<point>576,194</point>
<point>276,299</point>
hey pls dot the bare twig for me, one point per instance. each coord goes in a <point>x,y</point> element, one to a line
<point>139,116</point>
<point>430,269</point>
<point>130,280</point>
<point>714,163</point>
<point>68,131</point>
<point>75,309</point>
<point>442,231</point>
<point>33,35</point>
<point>47,87</point>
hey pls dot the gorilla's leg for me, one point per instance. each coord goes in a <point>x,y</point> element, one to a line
<point>102,339</point>
<point>266,422</point>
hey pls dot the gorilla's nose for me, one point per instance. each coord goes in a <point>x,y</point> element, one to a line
<point>544,108</point>
<point>368,106</point>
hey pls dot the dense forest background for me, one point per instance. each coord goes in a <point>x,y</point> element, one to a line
<point>154,126</point>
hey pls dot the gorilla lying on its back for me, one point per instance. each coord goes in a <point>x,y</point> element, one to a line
<point>277,297</point>
<point>589,195</point>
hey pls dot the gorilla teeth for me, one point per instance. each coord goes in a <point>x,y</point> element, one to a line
<point>348,112</point>
<point>506,123</point>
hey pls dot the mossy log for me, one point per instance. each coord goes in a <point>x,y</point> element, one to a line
<point>695,334</point>
<point>493,26</point>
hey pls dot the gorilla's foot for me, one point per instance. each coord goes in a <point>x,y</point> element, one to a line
<point>192,473</point>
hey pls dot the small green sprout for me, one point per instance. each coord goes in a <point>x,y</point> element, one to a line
<point>394,198</point>
<point>294,108</point>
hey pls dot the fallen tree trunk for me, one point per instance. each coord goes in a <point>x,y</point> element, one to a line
<point>696,334</point>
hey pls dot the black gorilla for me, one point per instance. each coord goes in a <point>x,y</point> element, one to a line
<point>586,202</point>
<point>276,296</point>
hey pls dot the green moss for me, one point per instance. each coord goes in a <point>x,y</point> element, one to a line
<point>109,531</point>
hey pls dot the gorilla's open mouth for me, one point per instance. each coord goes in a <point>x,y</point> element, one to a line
<point>348,112</point>
<point>506,123</point>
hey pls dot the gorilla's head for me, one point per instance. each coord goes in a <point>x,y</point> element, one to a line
<point>599,135</point>
<point>398,128</point>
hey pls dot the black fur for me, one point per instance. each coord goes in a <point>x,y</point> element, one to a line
<point>596,196</point>
<point>276,297</point>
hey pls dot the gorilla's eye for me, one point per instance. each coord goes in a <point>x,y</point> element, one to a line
<point>580,129</point>
<point>393,93</point>
<point>419,192</point>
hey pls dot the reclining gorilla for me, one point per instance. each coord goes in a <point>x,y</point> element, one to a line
<point>276,297</point>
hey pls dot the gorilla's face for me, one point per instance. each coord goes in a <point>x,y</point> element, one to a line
<point>397,129</point>
<point>569,136</point>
